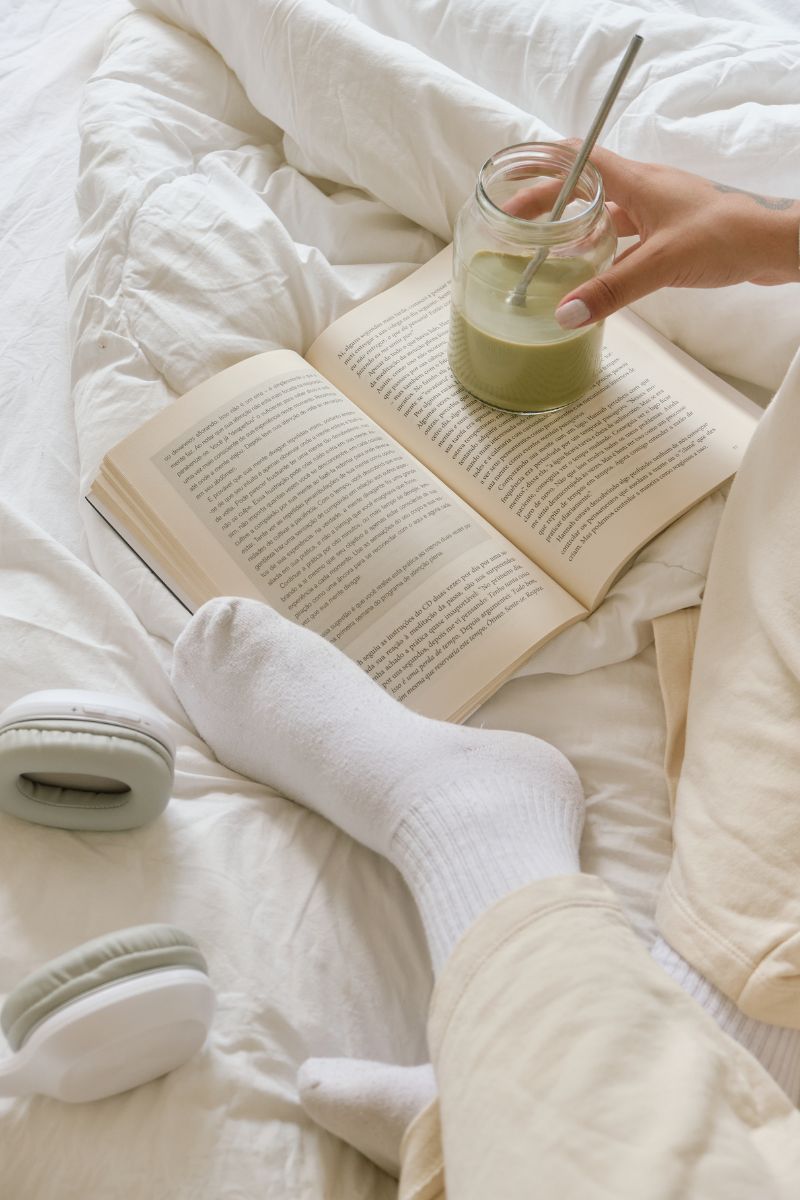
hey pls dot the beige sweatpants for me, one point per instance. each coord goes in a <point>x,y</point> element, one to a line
<point>568,1064</point>
<point>731,901</point>
<point>570,1067</point>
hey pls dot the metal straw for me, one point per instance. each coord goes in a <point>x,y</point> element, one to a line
<point>519,295</point>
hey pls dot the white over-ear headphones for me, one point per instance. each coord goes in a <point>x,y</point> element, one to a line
<point>116,1012</point>
<point>130,1006</point>
<point>84,760</point>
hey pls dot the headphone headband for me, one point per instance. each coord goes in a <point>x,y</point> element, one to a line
<point>77,704</point>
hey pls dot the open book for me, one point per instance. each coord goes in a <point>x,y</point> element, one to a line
<point>438,542</point>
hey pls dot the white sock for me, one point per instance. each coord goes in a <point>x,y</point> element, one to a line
<point>369,1105</point>
<point>775,1047</point>
<point>466,815</point>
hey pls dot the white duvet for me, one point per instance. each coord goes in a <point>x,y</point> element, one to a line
<point>249,171</point>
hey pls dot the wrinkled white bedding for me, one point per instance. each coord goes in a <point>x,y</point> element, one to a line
<point>217,220</point>
<point>48,49</point>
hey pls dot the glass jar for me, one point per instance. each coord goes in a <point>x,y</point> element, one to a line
<point>517,357</point>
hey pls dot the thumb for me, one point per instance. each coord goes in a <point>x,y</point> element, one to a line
<point>640,270</point>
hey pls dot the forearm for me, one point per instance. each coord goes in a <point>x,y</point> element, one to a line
<point>784,242</point>
<point>770,226</point>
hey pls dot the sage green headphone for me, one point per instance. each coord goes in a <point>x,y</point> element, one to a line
<point>84,760</point>
<point>129,1006</point>
<point>107,1016</point>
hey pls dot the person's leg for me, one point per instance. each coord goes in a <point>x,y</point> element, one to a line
<point>346,1092</point>
<point>731,902</point>
<point>570,1065</point>
<point>467,815</point>
<point>371,1105</point>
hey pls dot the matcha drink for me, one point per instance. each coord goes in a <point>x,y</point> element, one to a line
<point>518,357</point>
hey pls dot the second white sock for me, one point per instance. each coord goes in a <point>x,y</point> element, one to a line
<point>367,1104</point>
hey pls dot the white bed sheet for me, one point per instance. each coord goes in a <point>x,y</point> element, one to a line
<point>48,49</point>
<point>275,896</point>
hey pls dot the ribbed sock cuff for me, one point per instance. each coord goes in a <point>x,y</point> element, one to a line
<point>776,1048</point>
<point>461,850</point>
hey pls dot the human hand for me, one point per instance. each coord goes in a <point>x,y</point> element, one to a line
<point>692,233</point>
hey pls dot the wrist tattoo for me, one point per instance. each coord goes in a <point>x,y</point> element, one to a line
<point>776,203</point>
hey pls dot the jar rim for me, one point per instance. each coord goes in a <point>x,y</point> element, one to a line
<point>535,231</point>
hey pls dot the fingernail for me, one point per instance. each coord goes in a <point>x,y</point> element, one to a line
<point>573,314</point>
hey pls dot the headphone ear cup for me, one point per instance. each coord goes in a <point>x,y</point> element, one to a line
<point>47,768</point>
<point>91,966</point>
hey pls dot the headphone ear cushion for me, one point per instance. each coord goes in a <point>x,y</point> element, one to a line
<point>135,773</point>
<point>94,965</point>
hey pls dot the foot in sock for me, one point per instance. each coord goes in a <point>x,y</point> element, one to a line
<point>369,1105</point>
<point>467,815</point>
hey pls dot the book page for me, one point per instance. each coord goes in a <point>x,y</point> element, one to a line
<point>579,490</point>
<point>267,482</point>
